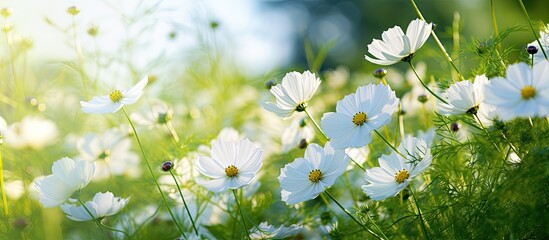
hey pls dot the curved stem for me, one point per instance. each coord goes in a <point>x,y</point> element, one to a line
<point>420,215</point>
<point>172,131</point>
<point>352,217</point>
<point>2,187</point>
<point>151,171</point>
<point>115,230</point>
<point>532,27</point>
<point>494,21</point>
<point>424,85</point>
<point>93,217</point>
<point>241,214</point>
<point>316,125</point>
<point>184,203</point>
<point>390,145</point>
<point>441,47</point>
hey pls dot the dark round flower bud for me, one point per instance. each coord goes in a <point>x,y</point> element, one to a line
<point>269,84</point>
<point>402,112</point>
<point>422,98</point>
<point>380,73</point>
<point>532,49</point>
<point>455,126</point>
<point>20,223</point>
<point>167,166</point>
<point>303,144</point>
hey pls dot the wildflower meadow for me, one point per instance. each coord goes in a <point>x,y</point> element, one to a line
<point>145,126</point>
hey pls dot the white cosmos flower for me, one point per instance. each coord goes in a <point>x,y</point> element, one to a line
<point>32,132</point>
<point>159,113</point>
<point>395,172</point>
<point>524,92</point>
<point>268,231</point>
<point>295,133</point>
<point>68,176</point>
<point>305,178</point>
<point>293,94</point>
<point>233,164</point>
<point>396,46</point>
<point>358,114</point>
<point>115,100</point>
<point>111,152</point>
<point>102,205</point>
<point>466,97</point>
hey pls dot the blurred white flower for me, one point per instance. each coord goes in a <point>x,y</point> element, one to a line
<point>68,176</point>
<point>293,94</point>
<point>268,231</point>
<point>395,172</point>
<point>102,205</point>
<point>396,46</point>
<point>233,164</point>
<point>305,178</point>
<point>32,132</point>
<point>111,152</point>
<point>115,100</point>
<point>13,186</point>
<point>359,155</point>
<point>358,114</point>
<point>544,40</point>
<point>298,131</point>
<point>158,114</point>
<point>524,92</point>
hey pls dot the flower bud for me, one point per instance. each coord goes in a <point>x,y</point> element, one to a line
<point>380,73</point>
<point>422,98</point>
<point>73,10</point>
<point>303,144</point>
<point>167,166</point>
<point>302,123</point>
<point>20,223</point>
<point>269,84</point>
<point>455,126</point>
<point>532,49</point>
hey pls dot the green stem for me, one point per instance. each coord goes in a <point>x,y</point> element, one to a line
<point>116,230</point>
<point>441,47</point>
<point>172,131</point>
<point>390,145</point>
<point>494,21</point>
<point>420,215</point>
<point>241,214</point>
<point>532,27</point>
<point>2,187</point>
<point>184,202</point>
<point>424,85</point>
<point>316,125</point>
<point>93,217</point>
<point>151,171</point>
<point>351,215</point>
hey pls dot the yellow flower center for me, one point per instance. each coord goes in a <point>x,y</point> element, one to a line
<point>231,171</point>
<point>528,92</point>
<point>359,118</point>
<point>401,176</point>
<point>115,96</point>
<point>315,175</point>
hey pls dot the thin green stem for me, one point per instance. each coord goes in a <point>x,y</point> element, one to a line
<point>316,125</point>
<point>441,47</point>
<point>241,214</point>
<point>93,217</point>
<point>2,187</point>
<point>184,202</point>
<point>494,21</point>
<point>424,85</point>
<point>352,216</point>
<point>420,215</point>
<point>390,145</point>
<point>79,55</point>
<point>151,171</point>
<point>172,131</point>
<point>532,27</point>
<point>116,230</point>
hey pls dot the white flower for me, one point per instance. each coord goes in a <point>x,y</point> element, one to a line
<point>68,176</point>
<point>295,133</point>
<point>396,46</point>
<point>395,172</point>
<point>524,92</point>
<point>158,114</point>
<point>358,114</point>
<point>268,231</point>
<point>293,94</point>
<point>305,178</point>
<point>233,164</point>
<point>102,205</point>
<point>111,152</point>
<point>115,100</point>
<point>544,40</point>
<point>33,132</point>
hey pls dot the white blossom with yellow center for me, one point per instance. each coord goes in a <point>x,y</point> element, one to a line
<point>115,100</point>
